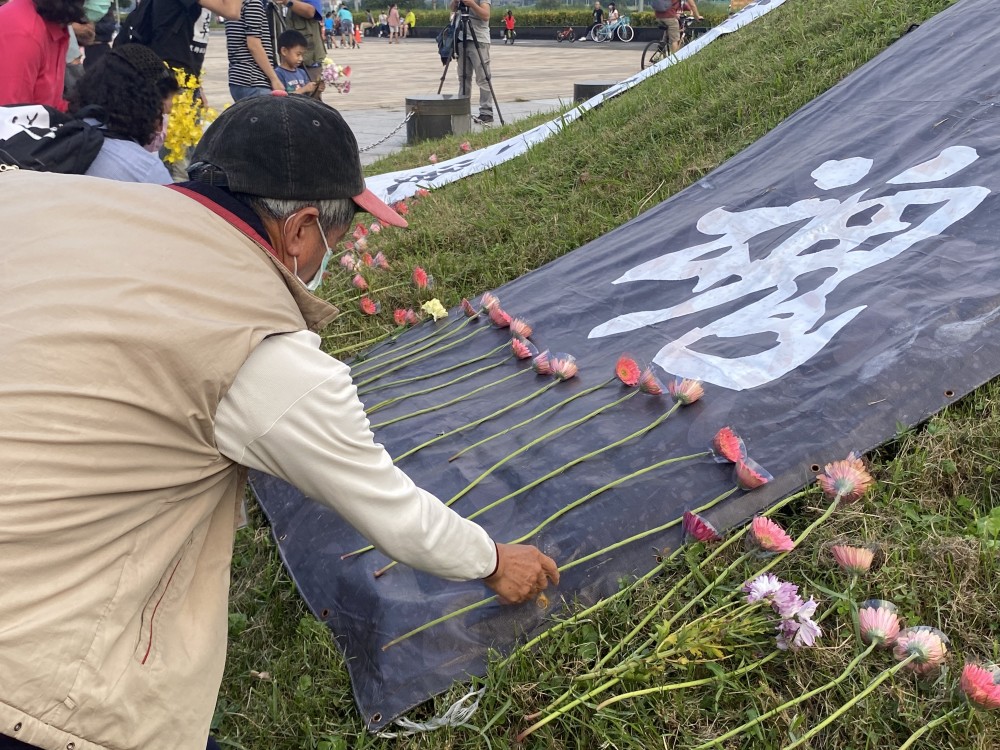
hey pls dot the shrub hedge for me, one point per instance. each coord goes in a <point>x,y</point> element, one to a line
<point>562,17</point>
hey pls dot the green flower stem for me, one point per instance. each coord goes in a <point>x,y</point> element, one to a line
<point>337,301</point>
<point>405,349</point>
<point>852,702</point>
<point>528,446</point>
<point>581,459</point>
<point>533,418</point>
<point>567,708</point>
<point>432,350</point>
<point>562,568</point>
<point>431,389</point>
<point>451,402</point>
<point>691,683</point>
<point>930,725</point>
<point>794,702</point>
<point>539,392</point>
<point>600,604</point>
<point>429,375</point>
<point>577,503</point>
<point>476,422</point>
<point>355,347</point>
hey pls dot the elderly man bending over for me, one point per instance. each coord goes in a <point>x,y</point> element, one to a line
<point>145,362</point>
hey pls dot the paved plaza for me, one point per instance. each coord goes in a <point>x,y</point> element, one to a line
<point>528,77</point>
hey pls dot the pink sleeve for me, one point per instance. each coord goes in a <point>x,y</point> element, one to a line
<point>20,63</point>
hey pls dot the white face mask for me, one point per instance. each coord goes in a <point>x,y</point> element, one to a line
<point>313,284</point>
<point>156,144</point>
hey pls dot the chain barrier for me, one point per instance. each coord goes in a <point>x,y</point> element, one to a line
<point>390,134</point>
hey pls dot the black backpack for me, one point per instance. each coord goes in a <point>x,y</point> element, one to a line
<point>44,139</point>
<point>446,43</point>
<point>137,28</point>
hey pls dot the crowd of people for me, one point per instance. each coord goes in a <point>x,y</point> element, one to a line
<point>158,340</point>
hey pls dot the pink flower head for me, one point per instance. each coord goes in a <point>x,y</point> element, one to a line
<point>522,348</point>
<point>349,246</point>
<point>762,588</point>
<point>399,316</point>
<point>367,259</point>
<point>346,88</point>
<point>381,261</point>
<point>627,370</point>
<point>878,622</point>
<point>375,227</point>
<point>541,364</point>
<point>433,158</point>
<point>499,318</point>
<point>768,536</point>
<point>649,383</point>
<point>563,366</point>
<point>412,317</point>
<point>489,301</point>
<point>750,475</point>
<point>697,528</point>
<point>796,634</point>
<point>928,646</point>
<point>980,687</point>
<point>422,193</point>
<point>361,244</point>
<point>847,479</point>
<point>348,261</point>
<point>420,278</point>
<point>685,391</point>
<point>465,147</point>
<point>855,560</point>
<point>468,309</point>
<point>360,231</point>
<point>728,446</point>
<point>401,208</point>
<point>520,328</point>
<point>359,282</point>
<point>369,306</point>
<point>346,71</point>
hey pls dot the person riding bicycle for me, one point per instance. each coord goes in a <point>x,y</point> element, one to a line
<point>508,27</point>
<point>667,13</point>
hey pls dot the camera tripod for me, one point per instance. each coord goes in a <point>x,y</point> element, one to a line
<point>463,23</point>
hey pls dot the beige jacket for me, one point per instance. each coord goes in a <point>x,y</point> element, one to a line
<point>125,313</point>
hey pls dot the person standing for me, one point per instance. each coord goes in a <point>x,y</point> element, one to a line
<point>328,30</point>
<point>597,20</point>
<point>473,59</point>
<point>393,24</point>
<point>34,41</point>
<point>249,48</point>
<point>140,377</point>
<point>346,26</point>
<point>383,24</point>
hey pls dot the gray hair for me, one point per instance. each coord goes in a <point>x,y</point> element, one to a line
<point>337,213</point>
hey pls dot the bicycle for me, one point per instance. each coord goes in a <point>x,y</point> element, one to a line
<point>654,52</point>
<point>621,28</point>
<point>566,35</point>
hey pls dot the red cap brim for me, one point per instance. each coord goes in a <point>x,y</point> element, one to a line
<point>369,202</point>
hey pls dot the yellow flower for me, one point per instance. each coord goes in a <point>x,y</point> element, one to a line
<point>188,119</point>
<point>435,309</point>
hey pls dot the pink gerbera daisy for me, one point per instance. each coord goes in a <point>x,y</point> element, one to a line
<point>750,475</point>
<point>420,278</point>
<point>399,316</point>
<point>627,370</point>
<point>847,479</point>
<point>468,309</point>
<point>412,317</point>
<point>433,158</point>
<point>489,301</point>
<point>769,536</point>
<point>499,318</point>
<point>523,348</point>
<point>375,227</point>
<point>360,231</point>
<point>928,646</point>
<point>369,306</point>
<point>401,208</point>
<point>465,147</point>
<point>685,391</point>
<point>348,261</point>
<point>367,259</point>
<point>381,261</point>
<point>541,364</point>
<point>980,687</point>
<point>649,383</point>
<point>422,193</point>
<point>563,366</point>
<point>878,622</point>
<point>359,282</point>
<point>855,560</point>
<point>520,328</point>
<point>698,528</point>
<point>729,446</point>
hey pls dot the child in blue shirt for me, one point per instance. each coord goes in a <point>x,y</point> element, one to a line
<point>291,50</point>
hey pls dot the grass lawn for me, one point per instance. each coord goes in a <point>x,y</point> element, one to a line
<point>934,515</point>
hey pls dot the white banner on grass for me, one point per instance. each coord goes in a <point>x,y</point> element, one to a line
<point>397,186</point>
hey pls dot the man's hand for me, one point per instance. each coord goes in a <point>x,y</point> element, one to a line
<point>522,573</point>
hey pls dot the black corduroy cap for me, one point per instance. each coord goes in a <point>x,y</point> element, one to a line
<point>289,148</point>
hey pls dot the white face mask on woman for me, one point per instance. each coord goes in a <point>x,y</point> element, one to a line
<point>156,144</point>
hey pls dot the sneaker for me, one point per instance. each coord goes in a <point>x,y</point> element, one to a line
<point>484,119</point>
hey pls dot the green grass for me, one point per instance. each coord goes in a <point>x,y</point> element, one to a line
<point>935,514</point>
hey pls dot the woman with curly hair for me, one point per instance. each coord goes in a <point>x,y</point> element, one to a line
<point>33,44</point>
<point>135,89</point>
